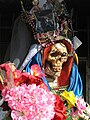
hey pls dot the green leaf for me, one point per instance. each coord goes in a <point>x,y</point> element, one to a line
<point>69,118</point>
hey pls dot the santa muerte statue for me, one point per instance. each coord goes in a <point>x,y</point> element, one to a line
<point>45,84</point>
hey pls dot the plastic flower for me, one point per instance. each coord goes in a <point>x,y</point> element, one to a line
<point>27,78</point>
<point>69,97</point>
<point>33,78</point>
<point>6,70</point>
<point>81,105</point>
<point>30,103</point>
<point>36,71</point>
<point>20,77</point>
<point>60,109</point>
<point>80,108</point>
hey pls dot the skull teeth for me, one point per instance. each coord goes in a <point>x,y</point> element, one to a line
<point>57,68</point>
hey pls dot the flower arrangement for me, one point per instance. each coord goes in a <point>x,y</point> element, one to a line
<point>30,103</point>
<point>28,98</point>
<point>79,108</point>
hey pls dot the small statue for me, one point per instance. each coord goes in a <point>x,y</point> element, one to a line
<point>56,57</point>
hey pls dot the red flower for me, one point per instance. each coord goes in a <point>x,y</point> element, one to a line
<point>20,78</point>
<point>1,86</point>
<point>7,71</point>
<point>60,109</point>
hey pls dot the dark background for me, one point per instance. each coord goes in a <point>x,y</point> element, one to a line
<point>10,9</point>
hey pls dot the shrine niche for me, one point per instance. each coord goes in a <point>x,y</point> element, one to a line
<point>47,85</point>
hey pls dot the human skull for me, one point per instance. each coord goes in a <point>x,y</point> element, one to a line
<point>56,57</point>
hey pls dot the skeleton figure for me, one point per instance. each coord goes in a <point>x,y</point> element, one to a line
<point>55,60</point>
<point>57,56</point>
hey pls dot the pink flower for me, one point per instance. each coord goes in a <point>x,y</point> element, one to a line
<point>31,103</point>
<point>36,71</point>
<point>80,107</point>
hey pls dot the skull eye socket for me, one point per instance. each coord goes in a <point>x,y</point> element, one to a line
<point>55,54</point>
<point>64,54</point>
